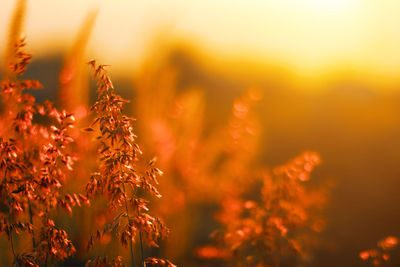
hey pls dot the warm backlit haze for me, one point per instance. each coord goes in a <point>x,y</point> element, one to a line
<point>275,123</point>
<point>309,36</point>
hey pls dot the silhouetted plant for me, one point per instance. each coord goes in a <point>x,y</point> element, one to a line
<point>34,165</point>
<point>274,227</point>
<point>118,177</point>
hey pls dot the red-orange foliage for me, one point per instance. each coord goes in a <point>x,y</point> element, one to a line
<point>379,255</point>
<point>36,162</point>
<point>34,165</point>
<point>276,228</point>
<point>118,177</point>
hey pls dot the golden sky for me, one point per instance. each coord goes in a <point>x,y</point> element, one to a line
<point>307,35</point>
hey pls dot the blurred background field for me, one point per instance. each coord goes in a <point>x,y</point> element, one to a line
<point>327,72</point>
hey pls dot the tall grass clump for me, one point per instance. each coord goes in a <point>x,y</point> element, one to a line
<point>35,163</point>
<point>118,177</point>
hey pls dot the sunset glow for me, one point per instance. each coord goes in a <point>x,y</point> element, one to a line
<point>310,35</point>
<point>330,5</point>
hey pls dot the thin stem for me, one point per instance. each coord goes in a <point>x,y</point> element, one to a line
<point>12,244</point>
<point>141,242</point>
<point>31,221</point>
<point>48,245</point>
<point>130,240</point>
<point>10,220</point>
<point>47,257</point>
